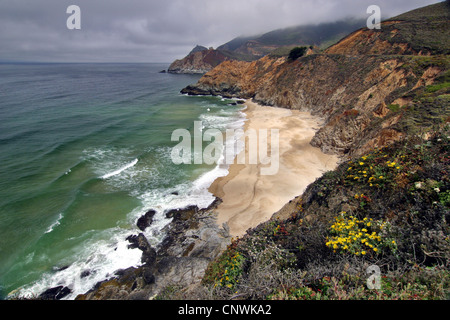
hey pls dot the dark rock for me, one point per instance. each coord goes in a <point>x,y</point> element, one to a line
<point>141,295</point>
<point>140,242</point>
<point>56,293</point>
<point>163,71</point>
<point>85,274</point>
<point>127,276</point>
<point>146,220</point>
<point>148,275</point>
<point>195,91</point>
<point>240,101</point>
<point>182,214</point>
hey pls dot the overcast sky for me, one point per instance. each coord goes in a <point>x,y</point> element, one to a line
<point>158,30</point>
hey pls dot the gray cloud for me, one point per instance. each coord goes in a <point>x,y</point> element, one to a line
<point>158,30</point>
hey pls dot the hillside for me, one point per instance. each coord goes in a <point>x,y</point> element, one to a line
<point>423,31</point>
<point>385,208</point>
<point>201,60</point>
<point>322,34</point>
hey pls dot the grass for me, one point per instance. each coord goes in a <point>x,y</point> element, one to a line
<point>437,87</point>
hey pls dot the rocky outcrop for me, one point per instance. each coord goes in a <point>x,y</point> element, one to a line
<point>146,220</point>
<point>56,293</point>
<point>193,239</point>
<point>348,85</point>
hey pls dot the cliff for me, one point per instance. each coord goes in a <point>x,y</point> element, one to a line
<point>354,84</point>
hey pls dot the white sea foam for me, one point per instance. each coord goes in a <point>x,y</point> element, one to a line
<point>96,261</point>
<point>119,171</point>
<point>55,224</point>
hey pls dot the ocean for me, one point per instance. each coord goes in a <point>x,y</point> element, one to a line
<point>85,150</point>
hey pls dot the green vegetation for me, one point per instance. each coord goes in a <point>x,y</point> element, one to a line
<point>394,107</point>
<point>227,271</point>
<point>425,29</point>
<point>437,87</point>
<point>238,56</point>
<point>429,104</point>
<point>281,52</point>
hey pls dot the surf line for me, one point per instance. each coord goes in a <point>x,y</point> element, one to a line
<point>118,171</point>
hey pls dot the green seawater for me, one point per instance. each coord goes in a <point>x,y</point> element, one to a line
<point>85,150</point>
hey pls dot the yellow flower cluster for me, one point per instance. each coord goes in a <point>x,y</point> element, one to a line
<point>232,271</point>
<point>364,171</point>
<point>392,165</point>
<point>353,235</point>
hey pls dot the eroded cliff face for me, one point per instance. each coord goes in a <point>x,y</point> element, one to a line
<point>235,78</point>
<point>352,85</point>
<point>350,93</point>
<point>198,62</point>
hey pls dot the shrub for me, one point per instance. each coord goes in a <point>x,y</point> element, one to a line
<point>297,52</point>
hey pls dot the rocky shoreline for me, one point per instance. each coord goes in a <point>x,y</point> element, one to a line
<point>193,239</point>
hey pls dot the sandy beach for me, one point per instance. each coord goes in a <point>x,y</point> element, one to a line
<point>250,198</point>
